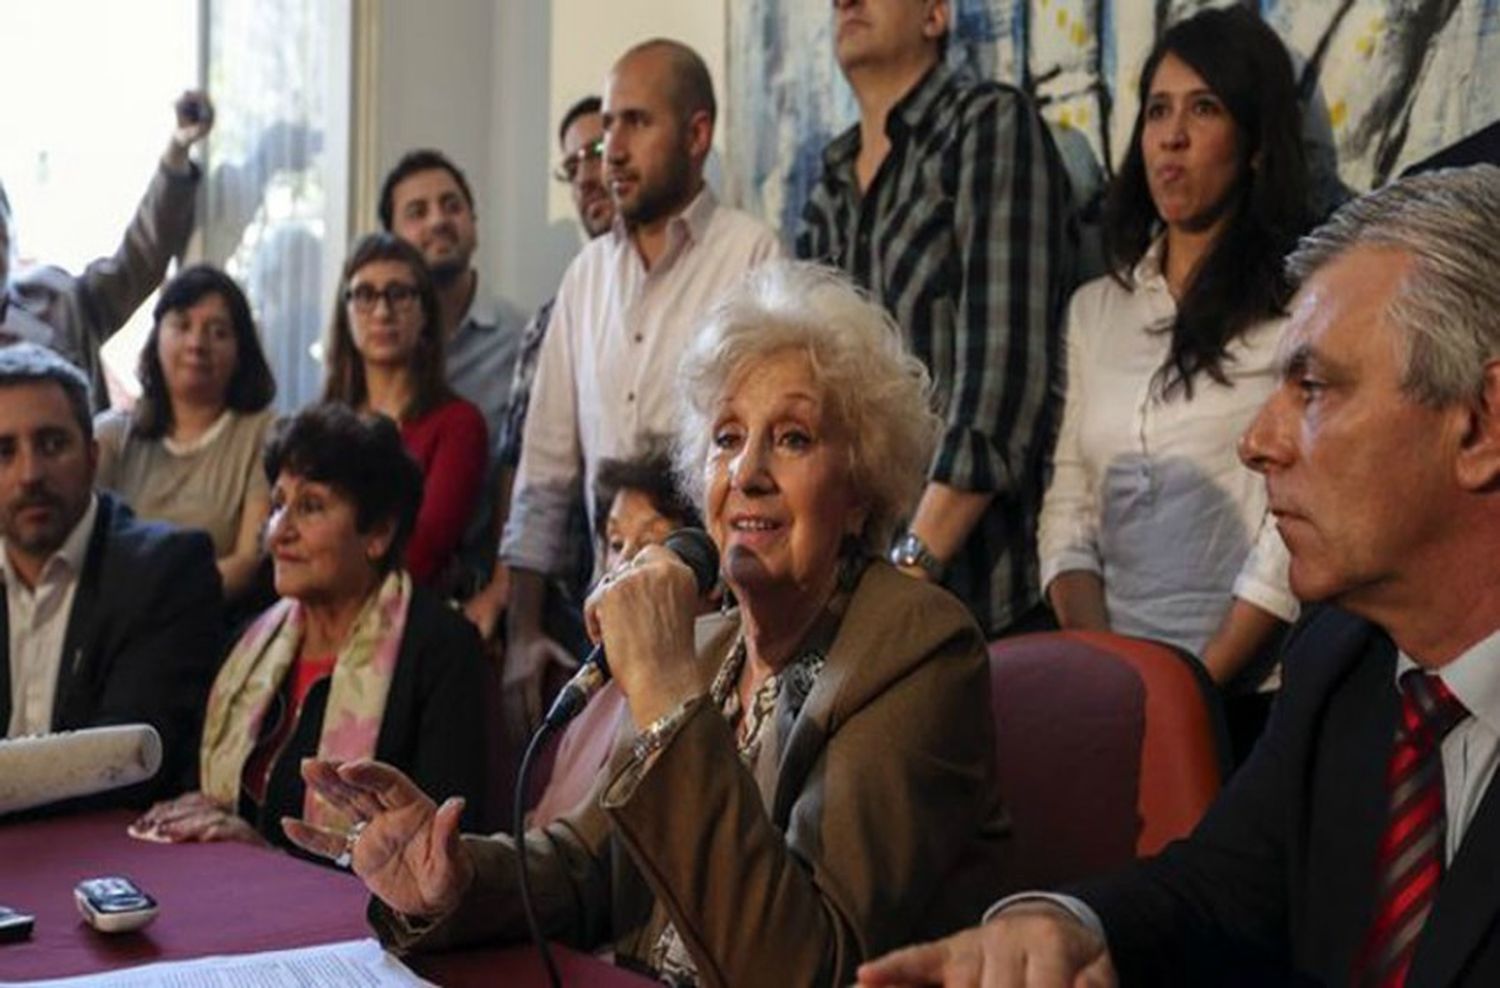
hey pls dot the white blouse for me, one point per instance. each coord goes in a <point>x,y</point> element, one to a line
<point>1148,492</point>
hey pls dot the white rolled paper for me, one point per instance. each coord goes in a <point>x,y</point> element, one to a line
<point>46,768</point>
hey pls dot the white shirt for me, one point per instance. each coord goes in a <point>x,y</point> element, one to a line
<point>1471,750</point>
<point>606,376</point>
<point>39,624</point>
<point>1148,492</point>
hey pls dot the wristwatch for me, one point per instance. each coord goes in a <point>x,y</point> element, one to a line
<point>910,550</point>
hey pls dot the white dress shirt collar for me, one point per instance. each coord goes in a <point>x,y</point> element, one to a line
<point>1148,273</point>
<point>1473,677</point>
<point>686,227</point>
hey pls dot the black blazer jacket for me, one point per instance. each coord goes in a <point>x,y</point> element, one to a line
<point>1277,884</point>
<point>433,728</point>
<point>143,642</point>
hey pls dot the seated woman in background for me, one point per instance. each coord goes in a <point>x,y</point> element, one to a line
<point>813,778</point>
<point>1151,525</point>
<point>189,453</point>
<point>353,662</point>
<point>385,354</point>
<point>640,504</point>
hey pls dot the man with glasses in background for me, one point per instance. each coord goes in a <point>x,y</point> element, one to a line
<point>581,137</point>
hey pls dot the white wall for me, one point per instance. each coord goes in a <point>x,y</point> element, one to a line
<point>487,80</point>
<point>434,70</point>
<point>588,35</point>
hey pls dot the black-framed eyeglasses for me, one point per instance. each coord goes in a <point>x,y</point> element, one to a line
<point>567,169</point>
<point>398,295</point>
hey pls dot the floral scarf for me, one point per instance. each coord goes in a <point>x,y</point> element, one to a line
<point>257,666</point>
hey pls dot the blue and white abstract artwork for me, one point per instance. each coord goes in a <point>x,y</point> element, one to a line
<point>1387,82</point>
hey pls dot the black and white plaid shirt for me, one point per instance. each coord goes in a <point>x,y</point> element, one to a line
<point>513,418</point>
<point>967,235</point>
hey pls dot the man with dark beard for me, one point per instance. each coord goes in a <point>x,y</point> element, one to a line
<point>103,619</point>
<point>426,201</point>
<point>625,312</point>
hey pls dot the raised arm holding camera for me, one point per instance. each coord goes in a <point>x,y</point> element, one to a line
<point>74,315</point>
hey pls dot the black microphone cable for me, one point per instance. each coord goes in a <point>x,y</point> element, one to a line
<point>692,546</point>
<point>523,777</point>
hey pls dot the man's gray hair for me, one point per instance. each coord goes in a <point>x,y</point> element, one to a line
<point>1448,305</point>
<point>877,392</point>
<point>32,363</point>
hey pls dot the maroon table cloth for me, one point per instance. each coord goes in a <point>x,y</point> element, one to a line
<point>212,899</point>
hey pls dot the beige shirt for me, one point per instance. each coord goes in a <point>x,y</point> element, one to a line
<point>607,375</point>
<point>204,485</point>
<point>39,624</point>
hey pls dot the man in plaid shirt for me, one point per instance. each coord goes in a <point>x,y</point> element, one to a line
<point>948,203</point>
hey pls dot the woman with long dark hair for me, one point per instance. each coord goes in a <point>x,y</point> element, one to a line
<point>385,355</point>
<point>1151,526</point>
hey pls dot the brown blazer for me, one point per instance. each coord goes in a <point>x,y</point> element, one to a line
<point>881,825</point>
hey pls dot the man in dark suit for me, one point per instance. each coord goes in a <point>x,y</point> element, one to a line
<point>1361,842</point>
<point>105,620</point>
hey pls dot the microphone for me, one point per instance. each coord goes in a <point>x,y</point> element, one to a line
<point>694,547</point>
<point>46,768</point>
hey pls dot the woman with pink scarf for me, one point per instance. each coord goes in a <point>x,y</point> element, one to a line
<point>354,661</point>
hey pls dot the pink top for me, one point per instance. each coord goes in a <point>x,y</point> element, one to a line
<point>451,444</point>
<point>582,755</point>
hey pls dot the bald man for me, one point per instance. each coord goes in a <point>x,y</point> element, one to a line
<point>625,312</point>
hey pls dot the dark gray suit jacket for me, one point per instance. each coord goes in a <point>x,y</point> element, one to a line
<point>1279,878</point>
<point>144,640</point>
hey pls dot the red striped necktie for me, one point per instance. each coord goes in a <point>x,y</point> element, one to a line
<point>1410,862</point>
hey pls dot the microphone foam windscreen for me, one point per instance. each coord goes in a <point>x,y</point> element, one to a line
<point>46,768</point>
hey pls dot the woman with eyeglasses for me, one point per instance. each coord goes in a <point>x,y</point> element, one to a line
<point>384,354</point>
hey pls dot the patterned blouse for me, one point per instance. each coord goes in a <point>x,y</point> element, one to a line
<point>670,957</point>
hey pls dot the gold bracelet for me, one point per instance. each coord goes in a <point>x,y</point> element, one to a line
<point>660,731</point>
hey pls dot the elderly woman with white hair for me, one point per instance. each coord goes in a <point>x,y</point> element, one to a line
<point>811,778</point>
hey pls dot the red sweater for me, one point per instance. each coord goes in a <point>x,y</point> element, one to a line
<point>451,444</point>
